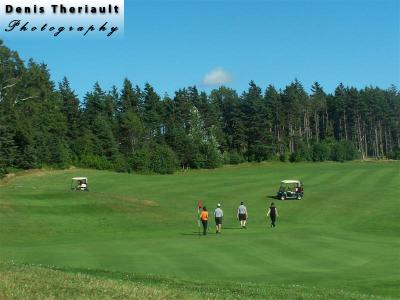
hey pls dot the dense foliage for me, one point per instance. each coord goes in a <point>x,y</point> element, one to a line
<point>134,129</point>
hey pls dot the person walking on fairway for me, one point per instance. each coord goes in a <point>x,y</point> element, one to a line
<point>204,219</point>
<point>218,214</point>
<point>242,215</point>
<point>272,213</point>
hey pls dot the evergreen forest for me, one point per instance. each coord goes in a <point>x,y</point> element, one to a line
<point>134,129</point>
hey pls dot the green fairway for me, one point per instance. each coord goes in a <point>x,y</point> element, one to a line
<point>344,234</point>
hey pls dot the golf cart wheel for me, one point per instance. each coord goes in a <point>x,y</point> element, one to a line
<point>299,197</point>
<point>282,197</point>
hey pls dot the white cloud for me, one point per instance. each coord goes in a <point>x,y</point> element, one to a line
<point>217,76</point>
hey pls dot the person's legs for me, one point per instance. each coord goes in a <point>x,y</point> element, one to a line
<point>218,225</point>
<point>204,227</point>
<point>244,223</point>
<point>273,218</point>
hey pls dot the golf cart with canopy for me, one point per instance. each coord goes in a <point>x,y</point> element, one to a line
<point>290,189</point>
<point>79,184</point>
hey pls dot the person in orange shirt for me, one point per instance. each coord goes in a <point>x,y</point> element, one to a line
<point>204,219</point>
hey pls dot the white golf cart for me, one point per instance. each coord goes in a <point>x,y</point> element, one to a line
<point>290,189</point>
<point>79,184</point>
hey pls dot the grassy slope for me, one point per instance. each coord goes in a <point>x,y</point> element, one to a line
<point>19,281</point>
<point>343,235</point>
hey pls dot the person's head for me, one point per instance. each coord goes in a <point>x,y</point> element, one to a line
<point>204,208</point>
<point>241,203</point>
<point>218,205</point>
<point>272,204</point>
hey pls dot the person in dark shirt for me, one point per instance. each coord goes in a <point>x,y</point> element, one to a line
<point>272,213</point>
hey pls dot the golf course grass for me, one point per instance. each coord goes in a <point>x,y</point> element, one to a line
<point>133,232</point>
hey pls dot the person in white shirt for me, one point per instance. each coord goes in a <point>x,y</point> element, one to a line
<point>218,214</point>
<point>242,215</point>
<point>83,186</point>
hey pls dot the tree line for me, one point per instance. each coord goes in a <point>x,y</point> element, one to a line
<point>136,129</point>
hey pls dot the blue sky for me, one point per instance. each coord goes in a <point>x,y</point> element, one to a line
<point>174,44</point>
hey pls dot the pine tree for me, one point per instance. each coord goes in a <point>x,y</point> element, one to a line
<point>99,115</point>
<point>258,126</point>
<point>296,106</point>
<point>151,111</point>
<point>72,114</point>
<point>227,103</point>
<point>275,113</point>
<point>318,109</point>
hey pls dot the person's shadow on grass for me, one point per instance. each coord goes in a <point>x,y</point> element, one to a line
<point>195,233</point>
<point>192,233</point>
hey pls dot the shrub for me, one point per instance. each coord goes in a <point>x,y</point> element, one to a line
<point>120,164</point>
<point>59,156</point>
<point>284,157</point>
<point>302,153</point>
<point>212,156</point>
<point>155,158</point>
<point>95,162</point>
<point>395,154</point>
<point>140,161</point>
<point>295,157</point>
<point>321,152</point>
<point>259,152</point>
<point>27,159</point>
<point>163,160</point>
<point>3,172</point>
<point>226,158</point>
<point>343,150</point>
<point>235,157</point>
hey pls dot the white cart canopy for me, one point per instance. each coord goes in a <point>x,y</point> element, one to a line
<point>288,181</point>
<point>79,178</point>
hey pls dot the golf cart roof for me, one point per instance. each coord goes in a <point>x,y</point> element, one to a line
<point>79,178</point>
<point>291,181</point>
